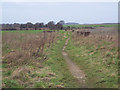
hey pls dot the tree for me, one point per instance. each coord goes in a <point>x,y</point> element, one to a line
<point>59,26</point>
<point>16,26</point>
<point>36,26</point>
<point>29,25</point>
<point>41,25</point>
<point>22,26</point>
<point>51,25</point>
<point>62,22</point>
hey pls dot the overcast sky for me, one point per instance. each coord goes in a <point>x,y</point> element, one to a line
<point>80,12</point>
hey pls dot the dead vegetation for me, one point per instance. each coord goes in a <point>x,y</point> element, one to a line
<point>105,42</point>
<point>19,49</point>
<point>23,54</point>
<point>96,36</point>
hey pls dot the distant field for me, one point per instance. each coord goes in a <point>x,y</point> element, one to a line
<point>23,31</point>
<point>93,25</point>
<point>26,31</point>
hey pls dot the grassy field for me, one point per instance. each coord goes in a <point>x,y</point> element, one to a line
<point>97,57</point>
<point>93,25</point>
<point>23,31</point>
<point>46,70</point>
<point>33,59</point>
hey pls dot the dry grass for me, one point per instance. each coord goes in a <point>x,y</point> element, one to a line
<point>23,54</point>
<point>22,48</point>
<point>98,37</point>
<point>97,55</point>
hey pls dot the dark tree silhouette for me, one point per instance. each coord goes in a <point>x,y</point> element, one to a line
<point>30,26</point>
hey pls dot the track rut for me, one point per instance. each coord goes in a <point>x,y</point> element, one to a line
<point>74,69</point>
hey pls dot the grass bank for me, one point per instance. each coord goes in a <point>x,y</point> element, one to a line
<point>100,64</point>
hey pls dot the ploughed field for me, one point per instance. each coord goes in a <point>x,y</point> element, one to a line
<point>33,59</point>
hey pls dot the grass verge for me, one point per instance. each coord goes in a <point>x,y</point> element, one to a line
<point>101,69</point>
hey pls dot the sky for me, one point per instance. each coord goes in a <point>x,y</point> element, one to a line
<point>59,0</point>
<point>79,12</point>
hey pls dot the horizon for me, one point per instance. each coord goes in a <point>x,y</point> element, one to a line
<point>77,12</point>
<point>64,24</point>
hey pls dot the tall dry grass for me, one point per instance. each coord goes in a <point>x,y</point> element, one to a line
<point>23,55</point>
<point>26,48</point>
<point>105,42</point>
<point>96,36</point>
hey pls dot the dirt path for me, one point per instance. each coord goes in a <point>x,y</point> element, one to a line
<point>74,69</point>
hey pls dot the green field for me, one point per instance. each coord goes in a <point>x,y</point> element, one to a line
<point>24,31</point>
<point>93,25</point>
<point>24,67</point>
<point>35,71</point>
